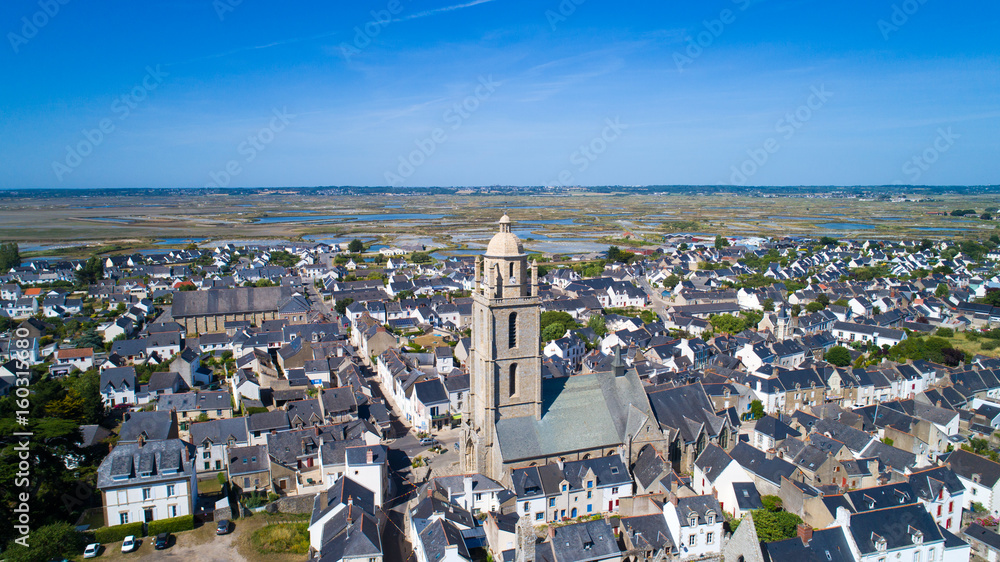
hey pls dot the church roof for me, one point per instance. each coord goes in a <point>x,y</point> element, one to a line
<point>581,412</point>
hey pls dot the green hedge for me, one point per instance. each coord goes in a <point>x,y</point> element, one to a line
<point>105,535</point>
<point>172,525</point>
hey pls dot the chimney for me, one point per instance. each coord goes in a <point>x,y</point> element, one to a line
<point>369,456</point>
<point>805,532</point>
<point>673,486</point>
<point>141,441</point>
<point>770,454</point>
<point>316,429</point>
<point>430,491</point>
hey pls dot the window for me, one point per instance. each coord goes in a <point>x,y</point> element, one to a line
<point>218,412</point>
<point>526,507</point>
<point>930,555</point>
<point>173,511</point>
<point>614,490</point>
<point>218,465</point>
<point>916,556</point>
<point>562,513</point>
<point>590,483</point>
<point>710,519</point>
<point>564,487</point>
<point>206,454</point>
<point>479,497</point>
<point>590,495</point>
<point>511,272</point>
<point>538,516</point>
<point>512,379</point>
<point>590,507</point>
<point>246,481</point>
<point>170,489</point>
<point>123,517</point>
<point>692,540</point>
<point>552,502</point>
<point>951,507</point>
<point>146,493</point>
<point>512,330</point>
<point>709,538</point>
<point>207,465</point>
<point>572,514</point>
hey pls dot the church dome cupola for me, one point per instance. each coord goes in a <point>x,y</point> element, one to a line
<point>504,243</point>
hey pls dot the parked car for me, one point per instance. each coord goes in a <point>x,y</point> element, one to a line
<point>129,544</point>
<point>222,528</point>
<point>428,441</point>
<point>92,550</point>
<point>162,541</point>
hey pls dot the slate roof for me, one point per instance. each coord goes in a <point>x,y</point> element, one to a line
<point>747,496</point>
<point>154,425</point>
<point>983,535</point>
<point>247,460</point>
<point>827,545</point>
<point>159,460</point>
<point>439,535</point>
<point>686,409</point>
<point>756,462</point>
<point>580,412</point>
<point>712,461</point>
<point>648,466</point>
<point>590,540</point>
<point>965,464</point>
<point>119,377</point>
<point>227,301</point>
<point>775,428</point>
<point>647,532</point>
<point>866,527</point>
<point>219,431</point>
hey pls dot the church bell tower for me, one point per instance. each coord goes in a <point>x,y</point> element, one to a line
<point>505,363</point>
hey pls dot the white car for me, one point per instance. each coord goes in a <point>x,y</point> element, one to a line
<point>92,550</point>
<point>129,544</point>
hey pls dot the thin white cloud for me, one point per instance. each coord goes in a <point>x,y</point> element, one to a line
<point>445,9</point>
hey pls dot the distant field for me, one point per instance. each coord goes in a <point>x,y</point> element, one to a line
<point>74,226</point>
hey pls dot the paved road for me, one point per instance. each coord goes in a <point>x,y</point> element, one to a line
<point>659,305</point>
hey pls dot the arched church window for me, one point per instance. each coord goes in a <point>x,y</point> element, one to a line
<point>512,330</point>
<point>512,379</point>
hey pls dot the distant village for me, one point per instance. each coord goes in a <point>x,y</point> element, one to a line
<point>749,399</point>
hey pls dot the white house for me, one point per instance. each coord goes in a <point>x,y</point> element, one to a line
<point>716,470</point>
<point>147,481</point>
<point>980,476</point>
<point>695,524</point>
<point>119,386</point>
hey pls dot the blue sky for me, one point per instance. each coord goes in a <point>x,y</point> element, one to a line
<point>486,92</point>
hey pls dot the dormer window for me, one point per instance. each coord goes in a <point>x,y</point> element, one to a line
<point>710,518</point>
<point>879,541</point>
<point>916,535</point>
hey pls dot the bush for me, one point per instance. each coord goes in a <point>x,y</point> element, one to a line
<point>944,333</point>
<point>172,525</point>
<point>51,542</point>
<point>106,535</point>
<point>990,345</point>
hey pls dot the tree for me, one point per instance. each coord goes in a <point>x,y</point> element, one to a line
<point>814,306</point>
<point>838,355</point>
<point>728,323</point>
<point>828,241</point>
<point>768,305</point>
<point>775,525</point>
<point>596,323</point>
<point>757,409</point>
<point>556,317</point>
<point>420,257</point>
<point>941,291</point>
<point>341,305</point>
<point>10,256</point>
<point>721,242</point>
<point>50,542</point>
<point>91,272</point>
<point>356,246</point>
<point>823,299</point>
<point>796,310</point>
<point>986,217</point>
<point>553,331</point>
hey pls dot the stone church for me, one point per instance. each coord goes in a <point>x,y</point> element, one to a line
<point>514,418</point>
